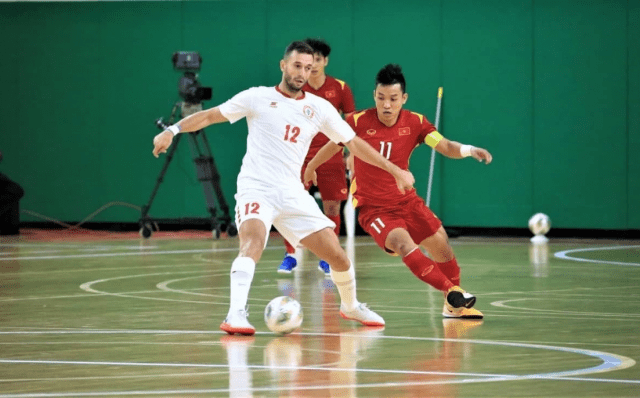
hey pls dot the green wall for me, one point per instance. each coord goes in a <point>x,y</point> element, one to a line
<point>551,88</point>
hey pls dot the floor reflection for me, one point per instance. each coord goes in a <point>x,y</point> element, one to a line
<point>445,361</point>
<point>240,378</point>
<point>539,259</point>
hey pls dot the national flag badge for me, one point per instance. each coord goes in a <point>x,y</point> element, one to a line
<point>404,131</point>
<point>308,111</point>
<point>330,94</point>
<point>274,104</point>
<point>371,131</point>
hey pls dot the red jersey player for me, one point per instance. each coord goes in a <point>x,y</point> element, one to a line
<point>332,174</point>
<point>401,222</point>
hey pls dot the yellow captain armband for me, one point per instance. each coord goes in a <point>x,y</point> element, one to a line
<point>433,139</point>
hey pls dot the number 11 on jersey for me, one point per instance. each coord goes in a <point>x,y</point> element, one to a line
<point>385,150</point>
<point>377,224</point>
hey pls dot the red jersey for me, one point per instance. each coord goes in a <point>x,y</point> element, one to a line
<point>371,185</point>
<point>339,94</point>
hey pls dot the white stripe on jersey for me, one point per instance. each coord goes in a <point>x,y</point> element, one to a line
<point>280,132</point>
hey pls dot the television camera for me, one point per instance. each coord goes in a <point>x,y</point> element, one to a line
<point>193,93</point>
<point>189,87</point>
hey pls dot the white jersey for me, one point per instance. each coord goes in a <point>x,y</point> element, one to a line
<point>280,131</point>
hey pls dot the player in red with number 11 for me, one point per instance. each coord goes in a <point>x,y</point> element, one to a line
<point>401,222</point>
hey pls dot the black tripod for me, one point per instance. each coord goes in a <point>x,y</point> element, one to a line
<point>207,174</point>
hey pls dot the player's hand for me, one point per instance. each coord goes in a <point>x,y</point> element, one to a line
<point>310,177</point>
<point>161,142</point>
<point>481,154</point>
<point>350,162</point>
<point>404,180</point>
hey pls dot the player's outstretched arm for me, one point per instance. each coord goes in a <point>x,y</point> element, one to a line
<point>325,153</point>
<point>456,150</point>
<point>194,122</point>
<point>360,148</point>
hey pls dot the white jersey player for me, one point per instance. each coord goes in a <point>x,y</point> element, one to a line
<point>282,121</point>
<point>280,131</point>
<point>281,125</point>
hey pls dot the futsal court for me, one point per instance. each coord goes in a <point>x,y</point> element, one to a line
<point>114,315</point>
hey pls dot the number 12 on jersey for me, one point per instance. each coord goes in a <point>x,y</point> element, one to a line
<point>291,133</point>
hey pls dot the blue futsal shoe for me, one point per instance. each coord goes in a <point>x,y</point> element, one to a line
<point>323,266</point>
<point>288,264</point>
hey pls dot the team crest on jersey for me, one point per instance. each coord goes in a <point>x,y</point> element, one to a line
<point>404,131</point>
<point>308,111</point>
<point>330,94</point>
<point>274,104</point>
<point>371,131</point>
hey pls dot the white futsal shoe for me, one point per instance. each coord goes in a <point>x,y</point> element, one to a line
<point>237,323</point>
<point>362,314</point>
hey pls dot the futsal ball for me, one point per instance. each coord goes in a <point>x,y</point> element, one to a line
<point>539,224</point>
<point>283,315</point>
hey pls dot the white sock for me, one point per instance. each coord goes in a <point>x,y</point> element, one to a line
<point>242,271</point>
<point>345,281</point>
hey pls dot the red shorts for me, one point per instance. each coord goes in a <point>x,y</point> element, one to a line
<point>413,216</point>
<point>332,181</point>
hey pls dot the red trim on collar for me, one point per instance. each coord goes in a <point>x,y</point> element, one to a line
<point>288,96</point>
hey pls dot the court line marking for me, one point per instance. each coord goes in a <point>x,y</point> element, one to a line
<point>164,287</point>
<point>564,255</point>
<point>610,362</point>
<point>209,262</point>
<point>291,388</point>
<point>603,314</point>
<point>88,286</point>
<point>79,378</point>
<point>217,343</point>
<point>382,307</point>
<point>146,253</point>
<point>122,254</point>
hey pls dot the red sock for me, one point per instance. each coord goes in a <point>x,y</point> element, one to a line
<point>336,219</point>
<point>290,249</point>
<point>451,270</point>
<point>427,270</point>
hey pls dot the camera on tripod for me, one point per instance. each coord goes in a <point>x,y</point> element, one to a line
<point>189,87</point>
<point>193,94</point>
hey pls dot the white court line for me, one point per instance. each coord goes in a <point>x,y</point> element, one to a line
<point>610,362</point>
<point>81,378</point>
<point>87,287</point>
<point>217,343</point>
<point>564,255</point>
<point>502,304</point>
<point>123,254</point>
<point>226,249</point>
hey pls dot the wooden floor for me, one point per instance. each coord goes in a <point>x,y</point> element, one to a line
<point>113,315</point>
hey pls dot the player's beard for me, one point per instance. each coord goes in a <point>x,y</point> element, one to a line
<point>291,84</point>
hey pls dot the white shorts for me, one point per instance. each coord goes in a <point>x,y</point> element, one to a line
<point>294,213</point>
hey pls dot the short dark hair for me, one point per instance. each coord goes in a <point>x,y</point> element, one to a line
<point>299,46</point>
<point>319,46</point>
<point>391,74</point>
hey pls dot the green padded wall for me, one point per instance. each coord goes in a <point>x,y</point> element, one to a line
<point>633,112</point>
<point>487,69</point>
<point>551,88</point>
<point>580,91</point>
